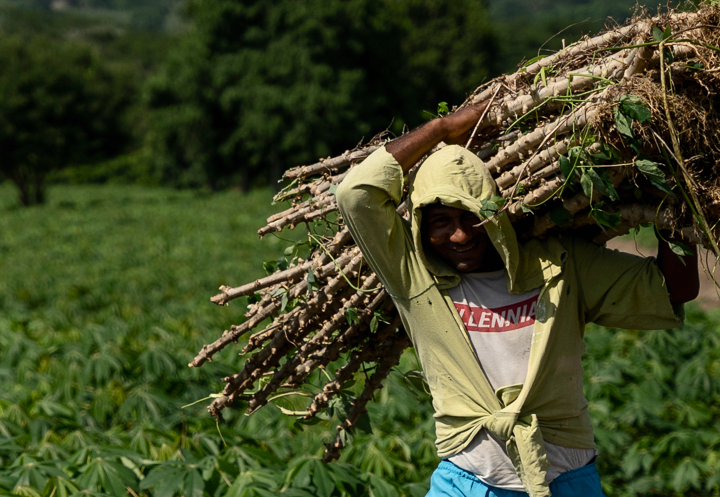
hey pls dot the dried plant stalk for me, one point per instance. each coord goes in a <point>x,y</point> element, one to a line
<point>385,365</point>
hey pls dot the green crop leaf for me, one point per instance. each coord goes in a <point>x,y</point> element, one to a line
<point>376,320</point>
<point>560,216</point>
<point>599,157</point>
<point>606,219</point>
<point>635,108</point>
<point>299,473</point>
<point>193,484</point>
<point>351,316</point>
<point>338,407</point>
<point>652,172</point>
<point>667,33</point>
<point>542,75</point>
<point>686,475</point>
<point>363,424</point>
<point>270,266</point>
<point>321,478</point>
<point>533,60</point>
<point>623,123</point>
<point>374,324</point>
<point>587,184</point>
<point>604,185</point>
<point>657,34</point>
<point>381,487</point>
<point>565,167</point>
<point>312,284</point>
<point>490,206</point>
<point>680,249</point>
<point>443,109</point>
<point>592,180</point>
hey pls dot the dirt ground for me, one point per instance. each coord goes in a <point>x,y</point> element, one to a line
<point>708,298</point>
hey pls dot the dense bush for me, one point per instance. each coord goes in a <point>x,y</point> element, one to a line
<point>260,86</point>
<point>60,105</point>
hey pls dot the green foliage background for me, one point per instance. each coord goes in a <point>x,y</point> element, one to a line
<point>230,93</point>
<point>258,86</point>
<point>104,301</point>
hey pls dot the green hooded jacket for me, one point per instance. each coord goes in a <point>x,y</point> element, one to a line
<point>580,283</point>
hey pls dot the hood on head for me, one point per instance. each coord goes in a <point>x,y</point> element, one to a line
<point>456,177</point>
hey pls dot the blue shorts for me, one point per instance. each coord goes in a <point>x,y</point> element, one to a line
<point>450,481</point>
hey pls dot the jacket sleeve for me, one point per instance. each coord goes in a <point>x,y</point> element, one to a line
<point>622,290</point>
<point>367,199</point>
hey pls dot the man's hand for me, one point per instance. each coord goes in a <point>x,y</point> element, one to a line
<point>460,124</point>
<point>453,129</point>
<point>681,275</point>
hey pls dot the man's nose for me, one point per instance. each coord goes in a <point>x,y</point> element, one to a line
<point>461,235</point>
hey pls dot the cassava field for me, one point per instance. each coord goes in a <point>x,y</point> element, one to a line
<point>104,299</point>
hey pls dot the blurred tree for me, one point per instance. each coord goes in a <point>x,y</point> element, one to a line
<point>262,85</point>
<point>59,106</point>
<point>529,28</point>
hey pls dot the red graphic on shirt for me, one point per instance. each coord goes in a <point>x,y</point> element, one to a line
<point>507,318</point>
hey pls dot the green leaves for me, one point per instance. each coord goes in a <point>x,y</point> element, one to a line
<point>634,108</point>
<point>680,249</point>
<point>630,108</point>
<point>542,75</point>
<point>649,403</point>
<point>592,179</point>
<point>108,475</point>
<point>169,479</point>
<point>312,284</point>
<point>145,309</point>
<point>351,315</point>
<point>623,122</point>
<point>376,320</point>
<point>566,168</point>
<point>560,216</point>
<point>94,359</point>
<point>605,219</point>
<point>489,207</point>
<point>443,109</point>
<point>659,34</point>
<point>652,172</point>
<point>317,68</point>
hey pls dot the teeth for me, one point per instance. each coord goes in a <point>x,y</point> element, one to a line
<point>465,249</point>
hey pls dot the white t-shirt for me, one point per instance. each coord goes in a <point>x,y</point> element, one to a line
<point>500,325</point>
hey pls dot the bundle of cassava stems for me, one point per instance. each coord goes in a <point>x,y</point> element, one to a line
<point>609,133</point>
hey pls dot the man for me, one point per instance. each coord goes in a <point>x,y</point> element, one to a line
<point>497,326</point>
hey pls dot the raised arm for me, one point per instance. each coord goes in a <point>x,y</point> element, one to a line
<point>681,275</point>
<point>453,130</point>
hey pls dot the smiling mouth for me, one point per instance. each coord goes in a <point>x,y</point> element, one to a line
<point>465,248</point>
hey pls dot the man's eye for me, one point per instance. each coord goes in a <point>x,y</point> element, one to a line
<point>439,220</point>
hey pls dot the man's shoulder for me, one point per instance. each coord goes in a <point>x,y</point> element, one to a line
<point>552,248</point>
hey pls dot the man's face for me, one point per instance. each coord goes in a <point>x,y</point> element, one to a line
<point>453,234</point>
